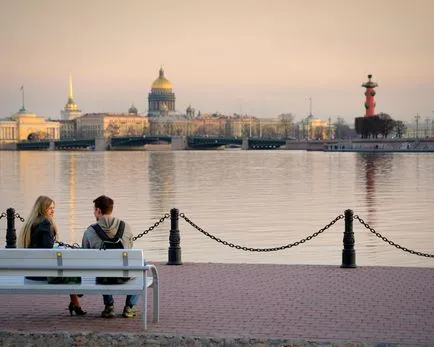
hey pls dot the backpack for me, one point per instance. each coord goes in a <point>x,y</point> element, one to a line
<point>108,243</point>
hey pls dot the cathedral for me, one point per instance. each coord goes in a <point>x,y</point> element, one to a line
<point>161,99</point>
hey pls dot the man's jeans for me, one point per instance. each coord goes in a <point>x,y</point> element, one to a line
<point>131,300</point>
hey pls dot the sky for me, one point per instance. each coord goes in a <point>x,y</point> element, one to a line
<point>255,57</point>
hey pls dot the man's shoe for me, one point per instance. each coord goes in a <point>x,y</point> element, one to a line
<point>109,312</point>
<point>129,312</point>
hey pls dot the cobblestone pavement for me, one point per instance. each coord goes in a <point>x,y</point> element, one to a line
<point>373,305</point>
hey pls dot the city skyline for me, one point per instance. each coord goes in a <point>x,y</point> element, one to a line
<point>257,57</point>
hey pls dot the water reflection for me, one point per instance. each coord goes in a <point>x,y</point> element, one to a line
<point>375,168</point>
<point>71,198</point>
<point>252,198</point>
<point>161,180</point>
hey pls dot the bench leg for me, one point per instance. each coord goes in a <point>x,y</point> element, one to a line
<point>145,309</point>
<point>155,294</point>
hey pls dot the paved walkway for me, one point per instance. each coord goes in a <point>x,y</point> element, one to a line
<point>255,304</point>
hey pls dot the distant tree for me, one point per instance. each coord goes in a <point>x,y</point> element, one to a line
<point>166,127</point>
<point>200,130</point>
<point>386,124</point>
<point>145,129</point>
<point>245,130</point>
<point>228,128</point>
<point>269,131</point>
<point>286,124</point>
<point>113,129</point>
<point>342,130</point>
<point>400,128</point>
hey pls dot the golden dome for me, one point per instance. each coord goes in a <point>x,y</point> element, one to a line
<point>161,82</point>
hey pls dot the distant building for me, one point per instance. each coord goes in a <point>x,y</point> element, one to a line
<point>25,125</point>
<point>70,110</point>
<point>105,125</point>
<point>161,99</point>
<point>68,129</point>
<point>314,129</point>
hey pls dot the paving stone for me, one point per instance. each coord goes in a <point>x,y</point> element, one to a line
<point>244,305</point>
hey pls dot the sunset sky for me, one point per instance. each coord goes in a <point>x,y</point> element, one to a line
<point>259,57</point>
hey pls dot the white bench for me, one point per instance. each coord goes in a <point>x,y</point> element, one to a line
<point>18,263</point>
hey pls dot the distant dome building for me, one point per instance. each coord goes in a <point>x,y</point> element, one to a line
<point>133,109</point>
<point>190,112</point>
<point>161,99</point>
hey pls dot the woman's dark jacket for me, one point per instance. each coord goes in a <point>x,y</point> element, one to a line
<point>41,236</point>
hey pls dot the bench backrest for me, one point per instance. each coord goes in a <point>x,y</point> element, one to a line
<point>71,262</point>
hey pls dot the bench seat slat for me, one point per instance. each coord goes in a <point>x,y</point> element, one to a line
<point>86,255</point>
<point>21,285</point>
<point>73,271</point>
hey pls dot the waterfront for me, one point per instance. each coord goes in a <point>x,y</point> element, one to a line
<point>250,198</point>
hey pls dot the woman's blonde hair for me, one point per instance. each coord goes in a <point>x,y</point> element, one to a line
<point>38,213</point>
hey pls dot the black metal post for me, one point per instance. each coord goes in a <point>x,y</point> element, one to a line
<point>348,253</point>
<point>11,235</point>
<point>174,239</point>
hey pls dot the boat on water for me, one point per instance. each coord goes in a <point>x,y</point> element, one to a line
<point>380,145</point>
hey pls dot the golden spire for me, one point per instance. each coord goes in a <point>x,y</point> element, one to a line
<point>71,105</point>
<point>70,95</point>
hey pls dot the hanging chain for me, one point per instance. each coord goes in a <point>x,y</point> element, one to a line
<point>252,249</point>
<point>367,226</point>
<point>152,227</point>
<point>16,215</point>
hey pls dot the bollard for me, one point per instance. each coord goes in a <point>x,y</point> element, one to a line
<point>11,235</point>
<point>174,239</point>
<point>348,253</point>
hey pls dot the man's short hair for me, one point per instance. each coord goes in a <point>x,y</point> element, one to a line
<point>104,203</point>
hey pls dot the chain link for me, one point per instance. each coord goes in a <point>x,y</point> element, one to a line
<point>2,215</point>
<point>252,249</point>
<point>17,215</point>
<point>367,226</point>
<point>152,227</point>
<point>63,244</point>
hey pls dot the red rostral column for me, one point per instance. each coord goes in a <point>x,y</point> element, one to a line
<point>370,94</point>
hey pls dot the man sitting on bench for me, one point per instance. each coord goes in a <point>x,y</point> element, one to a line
<point>110,232</point>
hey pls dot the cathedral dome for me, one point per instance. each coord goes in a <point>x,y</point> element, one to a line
<point>133,109</point>
<point>162,82</point>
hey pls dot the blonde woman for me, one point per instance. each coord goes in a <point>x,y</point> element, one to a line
<point>40,231</point>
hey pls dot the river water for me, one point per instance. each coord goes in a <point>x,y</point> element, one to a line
<point>258,199</point>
